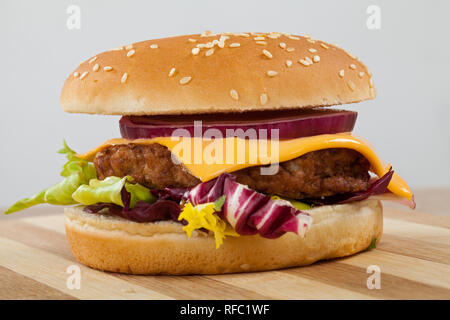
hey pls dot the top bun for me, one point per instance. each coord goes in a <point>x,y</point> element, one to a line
<point>229,72</point>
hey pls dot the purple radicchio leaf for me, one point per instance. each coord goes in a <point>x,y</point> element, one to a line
<point>250,212</point>
<point>378,187</point>
<point>174,194</point>
<point>143,211</point>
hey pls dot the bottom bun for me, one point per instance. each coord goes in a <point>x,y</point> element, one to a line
<point>113,244</point>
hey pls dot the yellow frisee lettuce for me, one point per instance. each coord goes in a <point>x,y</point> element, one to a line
<point>204,216</point>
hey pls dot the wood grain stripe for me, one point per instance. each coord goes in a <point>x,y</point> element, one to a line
<point>355,279</point>
<point>51,222</point>
<point>406,246</point>
<point>32,290</point>
<point>193,287</point>
<point>50,269</point>
<point>282,285</point>
<point>423,271</point>
<point>427,233</point>
<point>44,239</point>
<point>415,216</point>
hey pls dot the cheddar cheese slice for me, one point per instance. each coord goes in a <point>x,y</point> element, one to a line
<point>207,159</point>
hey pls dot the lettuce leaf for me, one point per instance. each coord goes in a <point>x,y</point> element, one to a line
<point>109,190</point>
<point>76,172</point>
<point>295,203</point>
<point>160,210</point>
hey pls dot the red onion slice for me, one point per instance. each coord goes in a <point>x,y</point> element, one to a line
<point>290,123</point>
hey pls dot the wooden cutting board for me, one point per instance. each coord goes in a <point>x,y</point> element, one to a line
<point>413,256</point>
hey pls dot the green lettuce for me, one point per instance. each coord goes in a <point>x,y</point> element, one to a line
<point>76,172</point>
<point>295,203</point>
<point>109,191</point>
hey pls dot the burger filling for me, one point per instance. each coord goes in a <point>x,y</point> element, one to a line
<point>140,182</point>
<point>316,174</point>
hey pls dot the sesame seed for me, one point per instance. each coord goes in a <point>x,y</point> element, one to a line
<point>107,68</point>
<point>83,75</point>
<point>352,66</point>
<point>76,74</point>
<point>316,58</point>
<point>361,74</point>
<point>350,55</point>
<point>207,33</point>
<point>263,98</point>
<point>131,52</point>
<point>192,40</point>
<point>310,41</point>
<point>154,46</point>
<point>341,73</point>
<point>92,60</point>
<point>351,85</point>
<point>271,73</point>
<point>172,72</point>
<point>267,54</point>
<point>185,80</point>
<point>200,45</point>
<point>116,49</point>
<point>323,45</point>
<point>124,78</point>
<point>294,38</point>
<point>312,50</point>
<point>209,52</point>
<point>307,36</point>
<point>309,60</point>
<point>246,35</point>
<point>282,45</point>
<point>273,36</point>
<point>129,47</point>
<point>288,63</point>
<point>262,43</point>
<point>304,62</point>
<point>234,94</point>
<point>95,67</point>
<point>209,45</point>
<point>195,51</point>
<point>370,83</point>
<point>234,45</point>
<point>290,49</point>
<point>259,38</point>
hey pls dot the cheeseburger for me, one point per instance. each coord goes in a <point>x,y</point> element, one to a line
<point>229,160</point>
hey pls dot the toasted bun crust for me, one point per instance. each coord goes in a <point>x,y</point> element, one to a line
<point>114,244</point>
<point>233,78</point>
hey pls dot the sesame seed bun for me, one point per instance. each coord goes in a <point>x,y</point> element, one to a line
<point>216,73</point>
<point>113,244</point>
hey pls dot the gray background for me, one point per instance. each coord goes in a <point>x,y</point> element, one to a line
<point>408,123</point>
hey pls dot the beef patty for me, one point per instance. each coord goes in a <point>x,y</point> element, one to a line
<point>315,174</point>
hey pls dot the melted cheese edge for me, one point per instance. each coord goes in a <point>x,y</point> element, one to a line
<point>204,170</point>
